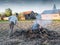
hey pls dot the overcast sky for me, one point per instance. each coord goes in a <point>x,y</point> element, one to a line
<point>26,5</point>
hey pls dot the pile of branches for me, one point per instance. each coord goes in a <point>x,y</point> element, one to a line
<point>39,33</point>
<point>44,34</point>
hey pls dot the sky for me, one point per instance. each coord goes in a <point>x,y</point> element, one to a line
<point>28,5</point>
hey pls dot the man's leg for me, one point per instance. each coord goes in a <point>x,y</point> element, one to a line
<point>11,29</point>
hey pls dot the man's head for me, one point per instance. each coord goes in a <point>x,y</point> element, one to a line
<point>16,14</point>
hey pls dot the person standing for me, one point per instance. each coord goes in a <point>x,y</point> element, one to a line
<point>12,22</point>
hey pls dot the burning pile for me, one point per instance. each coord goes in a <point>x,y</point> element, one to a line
<point>42,33</point>
<point>37,32</point>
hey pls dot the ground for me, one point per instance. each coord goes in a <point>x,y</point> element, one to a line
<point>54,39</point>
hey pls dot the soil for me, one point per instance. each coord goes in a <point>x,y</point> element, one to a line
<point>49,35</point>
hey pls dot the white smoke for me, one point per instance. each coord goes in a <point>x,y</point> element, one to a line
<point>42,23</point>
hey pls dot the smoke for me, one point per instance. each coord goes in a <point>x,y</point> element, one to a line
<point>42,23</point>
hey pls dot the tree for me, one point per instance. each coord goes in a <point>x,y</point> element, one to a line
<point>2,16</point>
<point>8,12</point>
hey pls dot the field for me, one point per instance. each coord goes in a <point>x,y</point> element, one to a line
<point>54,27</point>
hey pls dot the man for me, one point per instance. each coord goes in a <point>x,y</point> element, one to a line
<point>13,21</point>
<point>35,28</point>
<point>37,24</point>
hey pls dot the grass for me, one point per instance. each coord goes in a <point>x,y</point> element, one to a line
<point>26,20</point>
<point>56,20</point>
<point>3,21</point>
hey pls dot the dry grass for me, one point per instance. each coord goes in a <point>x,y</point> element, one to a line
<point>53,39</point>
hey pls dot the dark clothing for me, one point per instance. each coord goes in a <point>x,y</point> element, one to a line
<point>11,27</point>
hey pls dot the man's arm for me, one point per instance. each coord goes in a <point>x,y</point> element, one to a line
<point>16,20</point>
